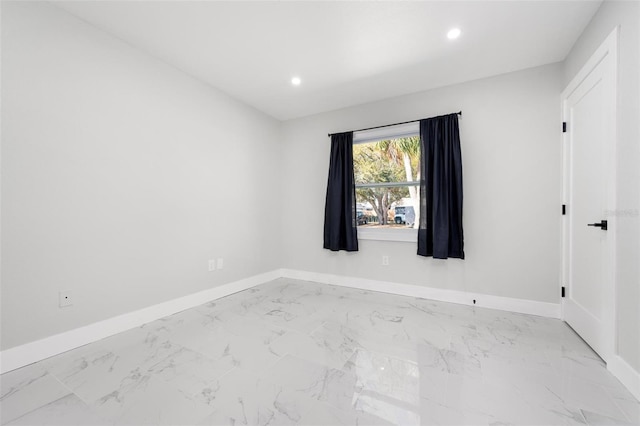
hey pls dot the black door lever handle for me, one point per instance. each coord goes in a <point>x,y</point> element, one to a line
<point>602,225</point>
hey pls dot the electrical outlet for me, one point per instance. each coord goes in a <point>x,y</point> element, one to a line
<point>385,260</point>
<point>65,299</point>
<point>212,265</point>
<point>220,263</point>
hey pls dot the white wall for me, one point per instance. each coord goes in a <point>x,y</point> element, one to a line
<point>116,172</point>
<point>510,135</point>
<point>626,15</point>
<point>121,177</point>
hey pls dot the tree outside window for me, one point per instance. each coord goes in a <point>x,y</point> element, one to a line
<point>387,182</point>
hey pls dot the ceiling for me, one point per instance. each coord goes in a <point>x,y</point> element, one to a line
<point>346,53</point>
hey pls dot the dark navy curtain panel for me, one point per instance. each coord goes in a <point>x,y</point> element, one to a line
<point>340,207</point>
<point>440,230</point>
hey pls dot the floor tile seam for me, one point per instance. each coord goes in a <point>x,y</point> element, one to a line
<point>123,353</point>
<point>231,333</point>
<point>226,328</point>
<point>20,377</point>
<point>316,328</point>
<point>64,385</point>
<point>284,325</point>
<point>327,367</point>
<point>87,406</point>
<point>33,409</point>
<point>388,355</point>
<point>438,302</point>
<point>92,404</point>
<point>164,385</point>
<point>394,401</point>
<point>578,411</point>
<point>37,408</point>
<point>345,410</point>
<point>92,409</point>
<point>378,304</point>
<point>464,411</point>
<point>605,387</point>
<point>47,363</point>
<point>299,394</point>
<point>627,397</point>
<point>208,358</point>
<point>134,398</point>
<point>288,329</point>
<point>534,401</point>
<point>583,411</point>
<point>280,386</point>
<point>624,419</point>
<point>342,289</point>
<point>620,413</point>
<point>191,348</point>
<point>235,367</point>
<point>622,410</point>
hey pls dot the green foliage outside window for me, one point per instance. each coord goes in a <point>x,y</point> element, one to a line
<point>388,161</point>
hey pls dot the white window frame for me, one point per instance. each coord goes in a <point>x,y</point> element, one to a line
<point>408,235</point>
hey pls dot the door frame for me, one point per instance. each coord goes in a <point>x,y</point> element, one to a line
<point>608,49</point>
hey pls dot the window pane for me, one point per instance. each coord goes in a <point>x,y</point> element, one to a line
<point>391,161</point>
<point>388,207</point>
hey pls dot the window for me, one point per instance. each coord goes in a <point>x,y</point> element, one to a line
<point>386,169</point>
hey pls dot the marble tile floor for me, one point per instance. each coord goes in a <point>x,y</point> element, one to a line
<point>293,352</point>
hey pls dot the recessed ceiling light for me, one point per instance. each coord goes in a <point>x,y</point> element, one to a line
<point>453,33</point>
<point>296,81</point>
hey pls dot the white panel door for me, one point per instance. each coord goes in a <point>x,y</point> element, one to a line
<point>589,153</point>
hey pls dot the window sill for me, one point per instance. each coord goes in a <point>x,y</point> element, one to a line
<point>408,235</point>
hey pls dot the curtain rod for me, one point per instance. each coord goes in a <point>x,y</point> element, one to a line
<point>389,125</point>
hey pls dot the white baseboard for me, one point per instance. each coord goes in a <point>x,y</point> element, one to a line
<point>544,309</point>
<point>626,374</point>
<point>29,353</point>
